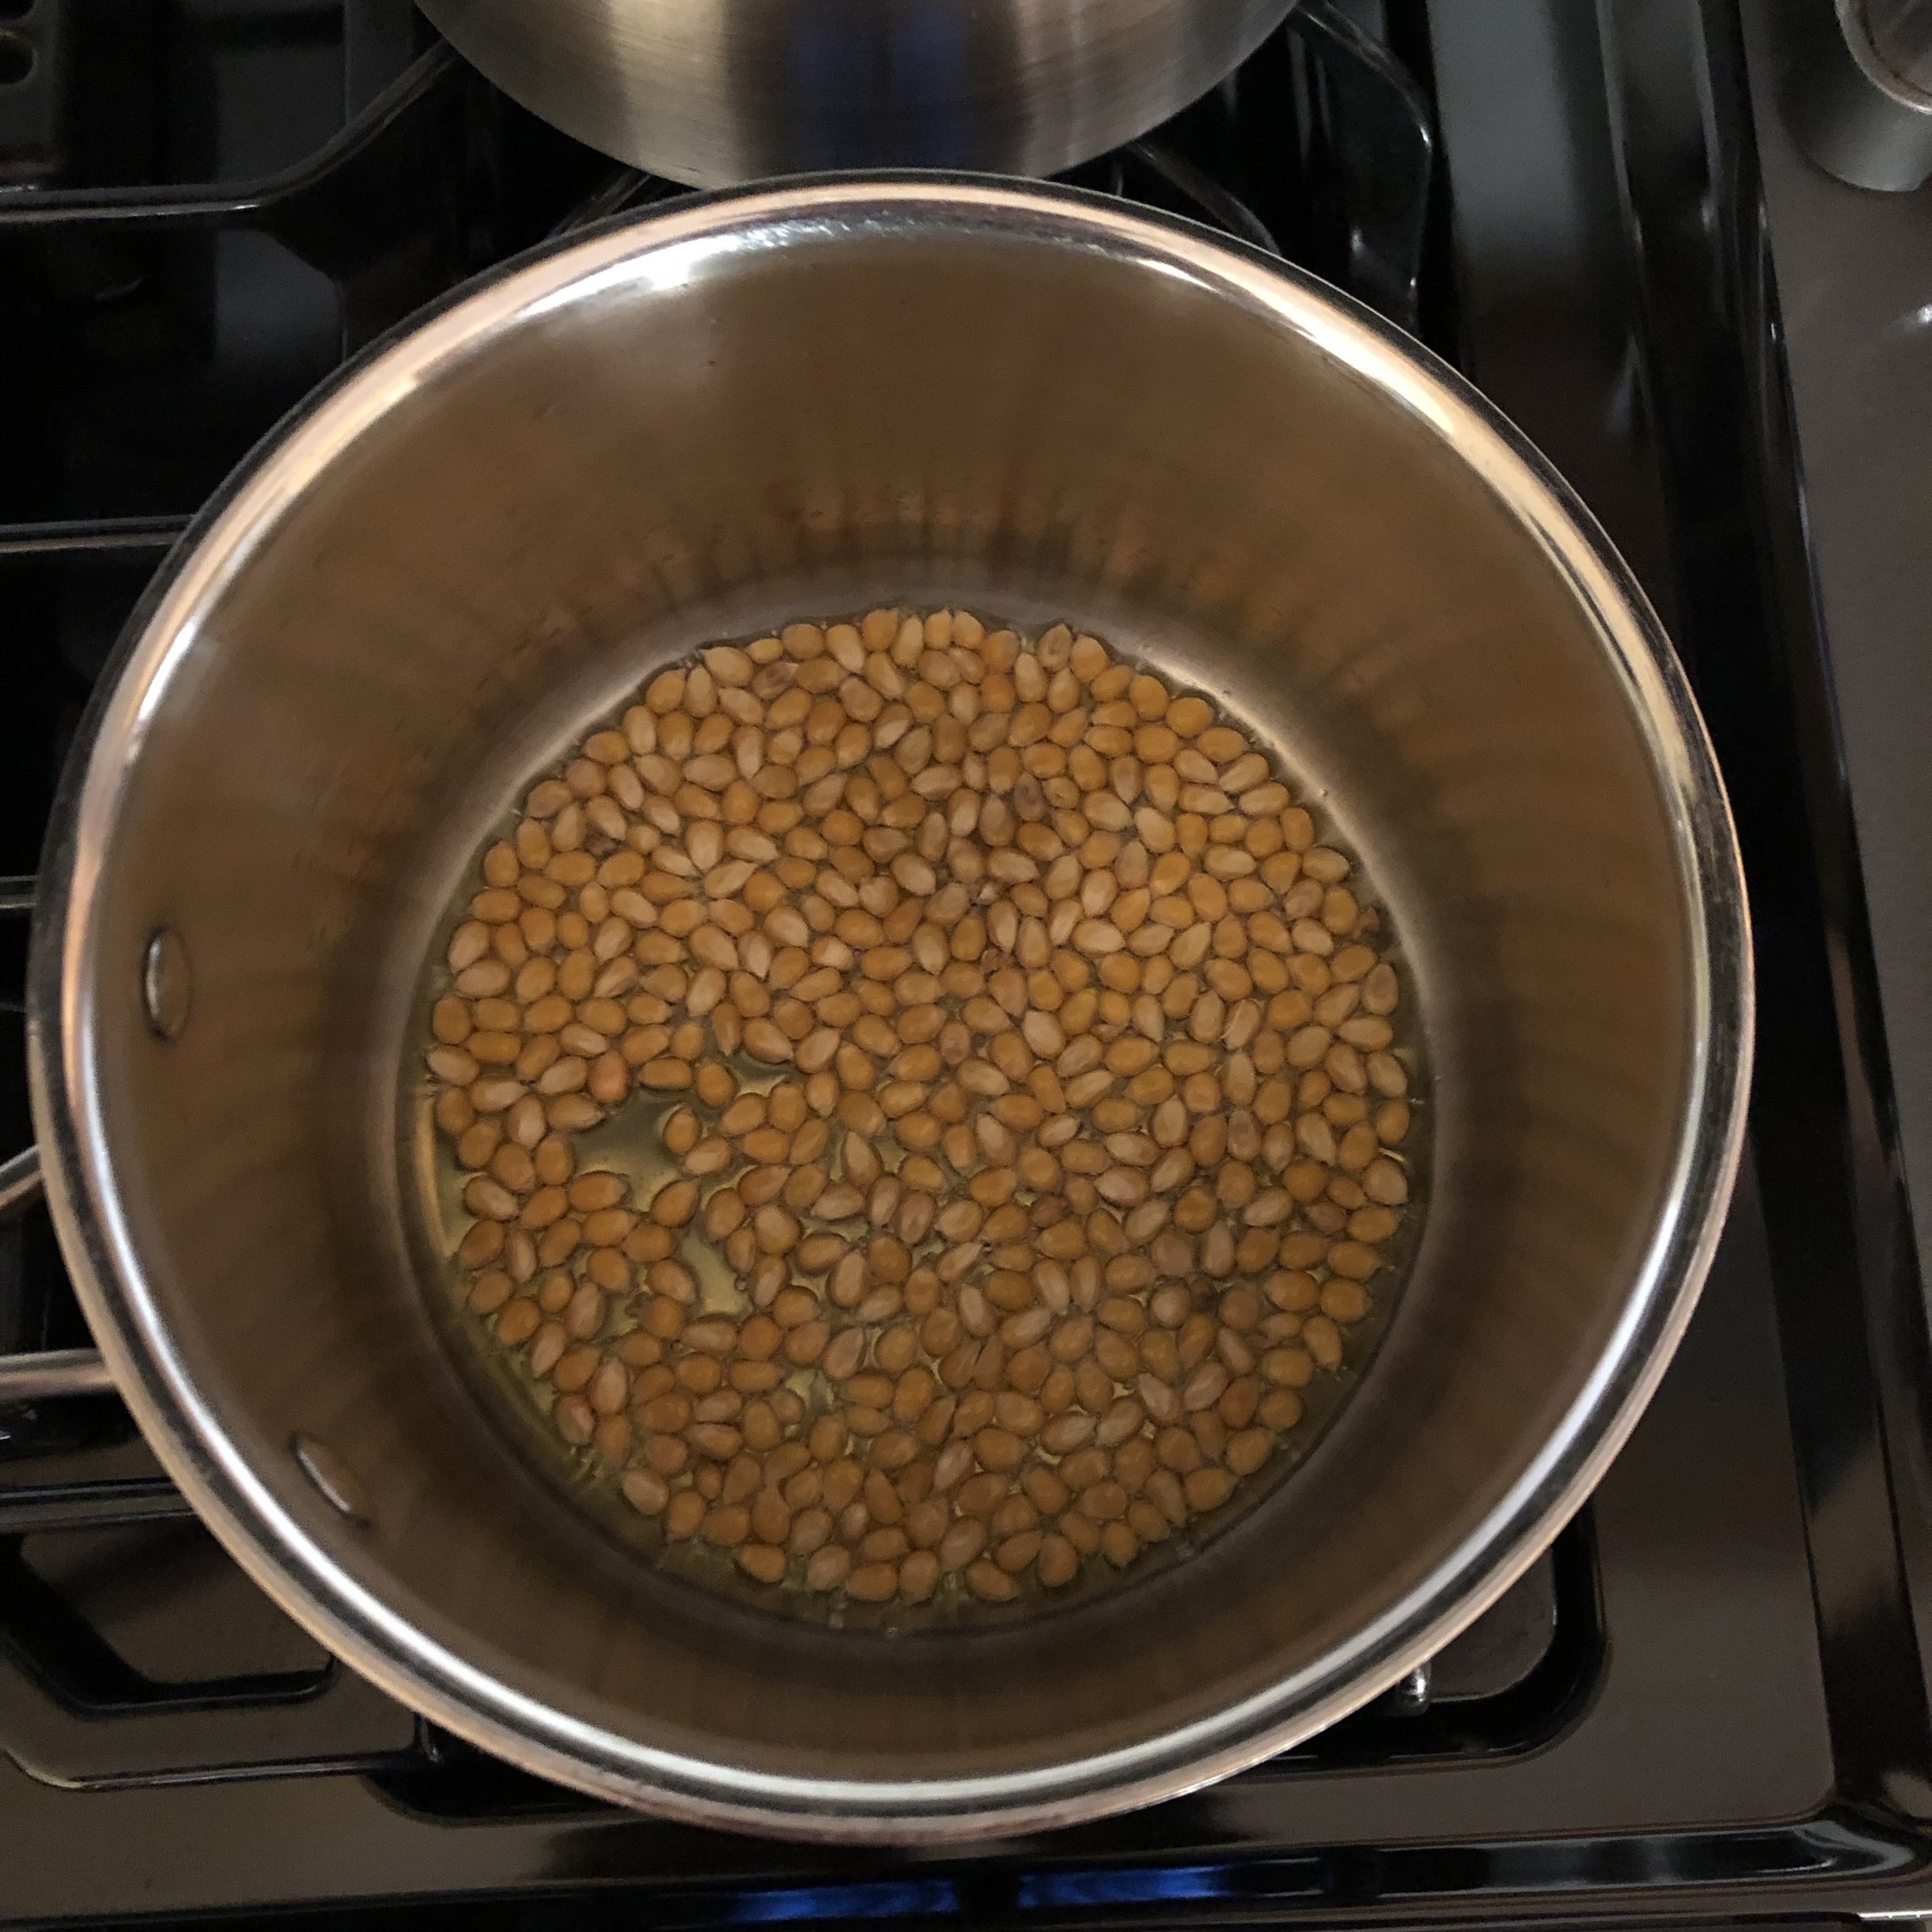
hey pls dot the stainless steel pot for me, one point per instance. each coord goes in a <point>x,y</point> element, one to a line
<point>713,92</point>
<point>805,399</point>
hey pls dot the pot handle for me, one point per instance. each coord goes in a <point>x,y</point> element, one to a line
<point>20,1185</point>
<point>49,1372</point>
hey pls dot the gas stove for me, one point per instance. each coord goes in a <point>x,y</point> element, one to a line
<point>1708,1703</point>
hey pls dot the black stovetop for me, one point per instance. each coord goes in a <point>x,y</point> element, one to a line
<point>1709,1701</point>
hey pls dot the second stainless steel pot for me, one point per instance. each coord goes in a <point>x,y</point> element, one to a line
<point>713,92</point>
<point>808,399</point>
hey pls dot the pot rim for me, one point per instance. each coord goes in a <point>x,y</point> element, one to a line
<point>295,1569</point>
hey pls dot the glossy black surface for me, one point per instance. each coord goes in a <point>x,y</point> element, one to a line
<point>1710,1701</point>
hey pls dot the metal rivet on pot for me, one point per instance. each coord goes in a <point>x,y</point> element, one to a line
<point>339,1483</point>
<point>1414,1691</point>
<point>166,991</point>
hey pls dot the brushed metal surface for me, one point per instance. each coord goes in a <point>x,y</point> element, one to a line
<point>53,1373</point>
<point>804,400</point>
<point>20,1183</point>
<point>714,92</point>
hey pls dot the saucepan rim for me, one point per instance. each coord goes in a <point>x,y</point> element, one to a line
<point>296,1568</point>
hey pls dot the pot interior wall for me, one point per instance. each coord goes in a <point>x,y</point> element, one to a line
<point>708,438</point>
